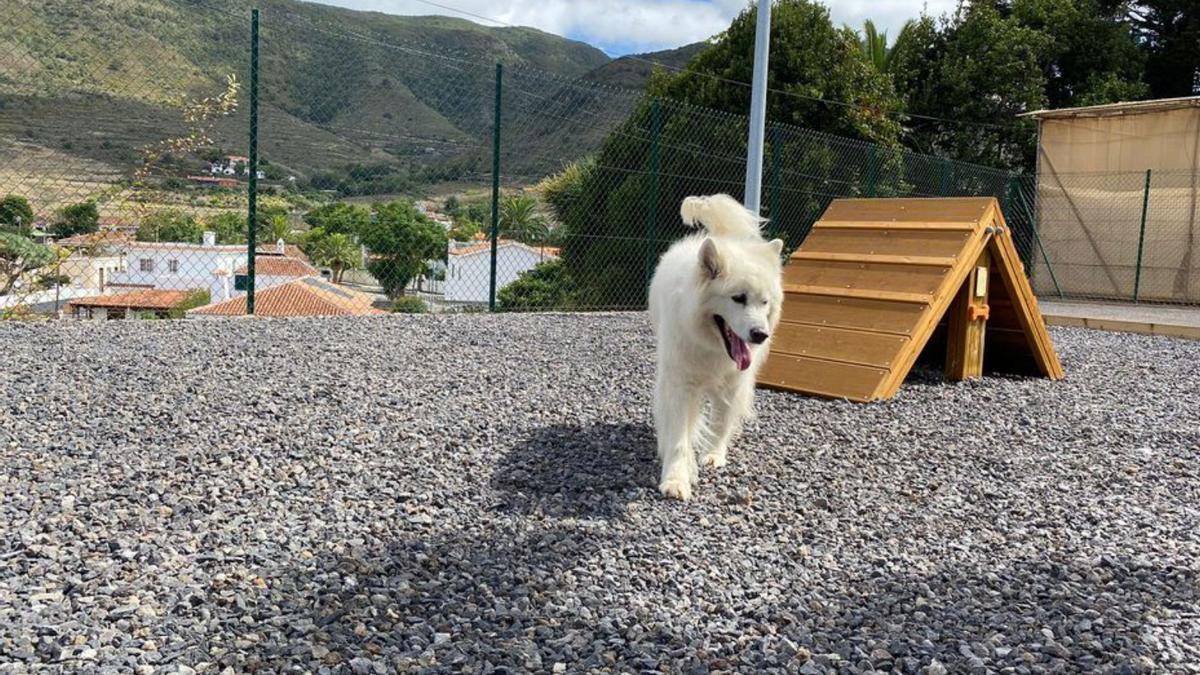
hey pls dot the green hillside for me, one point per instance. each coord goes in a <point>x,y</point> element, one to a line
<point>100,80</point>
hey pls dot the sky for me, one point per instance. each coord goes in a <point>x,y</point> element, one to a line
<point>631,26</point>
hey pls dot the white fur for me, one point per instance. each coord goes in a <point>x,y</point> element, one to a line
<point>697,278</point>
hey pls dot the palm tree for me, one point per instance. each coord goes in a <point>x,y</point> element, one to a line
<point>279,227</point>
<point>521,220</point>
<point>874,44</point>
<point>339,253</point>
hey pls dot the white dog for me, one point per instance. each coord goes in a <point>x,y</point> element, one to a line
<point>714,302</point>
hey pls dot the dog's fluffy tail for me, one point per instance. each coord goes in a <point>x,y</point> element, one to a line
<point>721,215</point>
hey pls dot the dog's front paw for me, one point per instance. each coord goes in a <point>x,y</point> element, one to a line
<point>716,460</point>
<point>676,488</point>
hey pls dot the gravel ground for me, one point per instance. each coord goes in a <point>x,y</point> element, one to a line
<point>476,493</point>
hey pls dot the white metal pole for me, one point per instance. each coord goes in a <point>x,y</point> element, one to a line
<point>758,107</point>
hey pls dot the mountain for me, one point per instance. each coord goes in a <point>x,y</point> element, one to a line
<point>578,116</point>
<point>632,72</point>
<point>98,81</point>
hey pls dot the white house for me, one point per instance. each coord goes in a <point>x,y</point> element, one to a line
<point>468,272</point>
<point>229,167</point>
<point>220,268</point>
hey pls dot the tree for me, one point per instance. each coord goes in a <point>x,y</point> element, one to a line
<point>18,256</point>
<point>81,218</point>
<point>1168,32</point>
<point>874,45</point>
<point>464,229</point>
<point>520,220</point>
<point>230,227</point>
<point>337,251</point>
<point>339,218</point>
<point>169,225</point>
<point>401,239</point>
<point>277,227</point>
<point>1091,58</point>
<point>810,60</point>
<point>16,216</point>
<point>979,69</point>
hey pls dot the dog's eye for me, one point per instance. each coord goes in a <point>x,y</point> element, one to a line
<point>740,298</point>
<point>765,301</point>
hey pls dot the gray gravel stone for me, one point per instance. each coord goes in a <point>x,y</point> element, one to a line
<point>477,493</point>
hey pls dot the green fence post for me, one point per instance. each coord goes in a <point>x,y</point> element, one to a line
<point>1137,275</point>
<point>944,187</point>
<point>495,187</point>
<point>252,207</point>
<point>652,197</point>
<point>872,170</point>
<point>776,179</point>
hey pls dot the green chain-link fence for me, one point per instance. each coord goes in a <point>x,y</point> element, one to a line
<point>394,173</point>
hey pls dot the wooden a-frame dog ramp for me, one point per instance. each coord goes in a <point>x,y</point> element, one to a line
<point>878,281</point>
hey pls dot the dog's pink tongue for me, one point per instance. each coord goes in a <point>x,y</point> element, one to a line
<point>741,351</point>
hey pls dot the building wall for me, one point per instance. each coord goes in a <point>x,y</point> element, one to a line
<point>468,277</point>
<point>1091,189</point>
<point>196,269</point>
<point>1162,141</point>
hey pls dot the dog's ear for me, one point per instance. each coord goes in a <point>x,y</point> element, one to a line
<point>710,259</point>
<point>776,246</point>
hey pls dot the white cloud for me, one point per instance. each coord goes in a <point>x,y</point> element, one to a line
<point>639,25</point>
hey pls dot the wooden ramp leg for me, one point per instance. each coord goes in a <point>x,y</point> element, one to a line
<point>967,322</point>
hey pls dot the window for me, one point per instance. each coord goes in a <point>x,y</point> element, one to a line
<point>173,266</point>
<point>240,282</point>
<point>146,265</point>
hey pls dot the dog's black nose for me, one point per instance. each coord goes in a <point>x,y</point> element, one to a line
<point>758,336</point>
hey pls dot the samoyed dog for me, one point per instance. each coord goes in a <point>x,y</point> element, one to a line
<point>715,299</point>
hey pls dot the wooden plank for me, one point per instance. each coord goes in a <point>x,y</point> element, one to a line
<point>837,344</point>
<point>929,320</point>
<point>875,315</point>
<point>1020,293</point>
<point>893,225</point>
<point>965,335</point>
<point>885,279</point>
<point>891,242</point>
<point>887,296</point>
<point>876,259</point>
<point>824,378</point>
<point>954,209</point>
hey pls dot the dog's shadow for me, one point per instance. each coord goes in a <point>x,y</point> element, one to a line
<point>574,471</point>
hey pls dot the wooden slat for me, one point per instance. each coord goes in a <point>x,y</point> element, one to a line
<point>878,279</point>
<point>887,296</point>
<point>875,315</point>
<point>876,259</point>
<point>892,225</point>
<point>891,242</point>
<point>964,336</point>
<point>837,344</point>
<point>865,294</point>
<point>954,209</point>
<point>929,320</point>
<point>824,378</point>
<point>1020,293</point>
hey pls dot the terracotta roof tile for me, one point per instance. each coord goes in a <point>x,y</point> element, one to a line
<point>144,299</point>
<point>280,266</point>
<point>310,296</point>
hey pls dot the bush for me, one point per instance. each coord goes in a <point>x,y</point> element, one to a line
<point>409,305</point>
<point>547,286</point>
<point>198,297</point>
